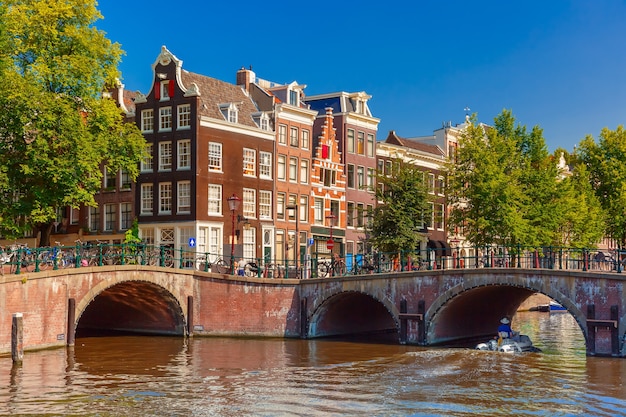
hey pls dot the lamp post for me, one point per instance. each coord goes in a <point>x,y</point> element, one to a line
<point>297,239</point>
<point>233,205</point>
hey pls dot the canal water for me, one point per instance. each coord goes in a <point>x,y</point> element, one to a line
<point>156,376</point>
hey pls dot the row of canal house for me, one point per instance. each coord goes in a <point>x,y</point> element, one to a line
<point>301,167</point>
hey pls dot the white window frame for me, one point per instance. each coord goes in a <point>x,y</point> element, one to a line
<point>165,156</point>
<point>318,210</point>
<point>183,155</point>
<point>147,164</point>
<point>215,199</point>
<point>248,203</point>
<point>165,90</point>
<point>215,157</point>
<point>249,162</point>
<point>184,116</point>
<point>265,205</point>
<point>165,119</point>
<point>230,112</point>
<point>265,165</point>
<point>147,199</point>
<point>306,139</point>
<point>147,120</point>
<point>165,198</point>
<point>183,203</point>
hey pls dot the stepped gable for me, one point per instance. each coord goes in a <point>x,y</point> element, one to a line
<point>214,92</point>
<point>394,139</point>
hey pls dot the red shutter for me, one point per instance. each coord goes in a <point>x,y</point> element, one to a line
<point>171,88</point>
<point>324,151</point>
<point>157,91</point>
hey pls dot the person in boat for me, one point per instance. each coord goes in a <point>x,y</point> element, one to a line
<point>505,331</point>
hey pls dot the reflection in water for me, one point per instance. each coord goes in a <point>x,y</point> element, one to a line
<point>150,376</point>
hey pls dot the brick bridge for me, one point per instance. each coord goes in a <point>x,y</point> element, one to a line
<point>422,307</point>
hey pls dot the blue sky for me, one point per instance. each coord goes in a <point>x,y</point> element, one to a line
<point>557,64</point>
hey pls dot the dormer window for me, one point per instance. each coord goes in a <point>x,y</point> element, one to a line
<point>229,111</point>
<point>262,120</point>
<point>359,102</point>
<point>293,98</point>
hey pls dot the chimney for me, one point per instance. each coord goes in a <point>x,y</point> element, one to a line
<point>245,77</point>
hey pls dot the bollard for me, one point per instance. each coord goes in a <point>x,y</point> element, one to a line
<point>17,338</point>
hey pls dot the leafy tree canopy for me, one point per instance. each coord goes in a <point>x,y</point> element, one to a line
<point>605,162</point>
<point>56,129</point>
<point>404,204</point>
<point>504,187</point>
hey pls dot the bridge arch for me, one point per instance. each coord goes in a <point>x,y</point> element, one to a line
<point>352,313</point>
<point>482,306</point>
<point>127,303</point>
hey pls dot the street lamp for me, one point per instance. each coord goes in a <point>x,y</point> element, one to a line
<point>233,205</point>
<point>297,239</point>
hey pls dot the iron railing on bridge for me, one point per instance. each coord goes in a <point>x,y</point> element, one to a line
<point>17,259</point>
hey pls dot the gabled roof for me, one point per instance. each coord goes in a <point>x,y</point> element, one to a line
<point>213,92</point>
<point>394,139</point>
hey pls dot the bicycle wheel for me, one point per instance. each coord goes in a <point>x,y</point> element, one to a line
<point>45,260</point>
<point>220,267</point>
<point>168,262</point>
<point>323,269</point>
<point>202,263</point>
<point>339,268</point>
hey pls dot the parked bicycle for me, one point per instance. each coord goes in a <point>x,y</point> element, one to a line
<point>337,267</point>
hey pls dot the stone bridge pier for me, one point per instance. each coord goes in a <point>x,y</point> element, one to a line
<point>445,306</point>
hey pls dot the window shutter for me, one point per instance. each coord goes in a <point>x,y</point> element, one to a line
<point>157,90</point>
<point>324,151</point>
<point>171,88</point>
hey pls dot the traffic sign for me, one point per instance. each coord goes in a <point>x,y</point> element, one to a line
<point>330,244</point>
<point>192,242</point>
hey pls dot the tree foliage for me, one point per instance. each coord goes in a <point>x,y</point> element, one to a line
<point>404,203</point>
<point>605,161</point>
<point>56,129</point>
<point>504,189</point>
<point>579,212</point>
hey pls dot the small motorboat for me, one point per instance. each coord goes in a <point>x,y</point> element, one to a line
<point>517,344</point>
<point>545,308</point>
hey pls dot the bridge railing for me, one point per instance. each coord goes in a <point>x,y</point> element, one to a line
<point>19,258</point>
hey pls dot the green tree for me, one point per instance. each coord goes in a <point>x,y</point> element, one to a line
<point>484,194</point>
<point>605,162</point>
<point>580,214</point>
<point>502,185</point>
<point>56,129</point>
<point>404,204</point>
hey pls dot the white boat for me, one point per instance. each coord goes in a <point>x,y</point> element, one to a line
<point>517,344</point>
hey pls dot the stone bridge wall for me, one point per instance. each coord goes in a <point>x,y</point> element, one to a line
<point>426,306</point>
